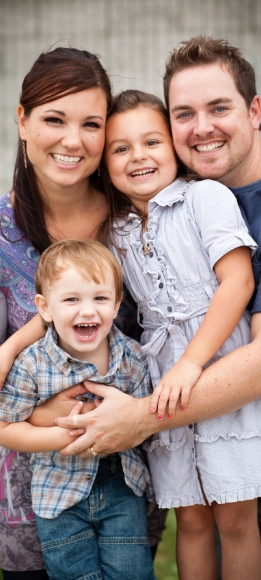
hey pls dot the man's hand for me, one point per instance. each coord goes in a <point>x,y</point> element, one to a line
<point>116,424</point>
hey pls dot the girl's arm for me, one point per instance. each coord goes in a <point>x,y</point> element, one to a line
<point>27,438</point>
<point>24,337</point>
<point>234,272</point>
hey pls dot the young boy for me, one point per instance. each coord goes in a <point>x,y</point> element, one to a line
<point>91,513</point>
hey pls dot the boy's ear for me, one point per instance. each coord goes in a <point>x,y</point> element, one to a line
<point>43,308</point>
<point>116,307</point>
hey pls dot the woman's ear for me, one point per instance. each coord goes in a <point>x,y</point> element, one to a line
<point>43,308</point>
<point>22,122</point>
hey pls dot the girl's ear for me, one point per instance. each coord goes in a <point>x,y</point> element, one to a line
<point>22,122</point>
<point>43,307</point>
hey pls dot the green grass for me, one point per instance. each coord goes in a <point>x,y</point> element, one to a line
<point>165,562</point>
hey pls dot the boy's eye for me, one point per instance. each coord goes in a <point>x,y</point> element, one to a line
<point>71,299</point>
<point>100,298</point>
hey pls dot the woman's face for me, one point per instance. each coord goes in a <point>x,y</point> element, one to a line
<point>65,138</point>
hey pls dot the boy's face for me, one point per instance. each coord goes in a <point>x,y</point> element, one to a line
<point>82,311</point>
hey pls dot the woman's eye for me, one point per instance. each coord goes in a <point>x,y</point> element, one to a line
<point>55,120</point>
<point>92,125</point>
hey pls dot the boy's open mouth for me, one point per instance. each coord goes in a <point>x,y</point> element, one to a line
<point>86,331</point>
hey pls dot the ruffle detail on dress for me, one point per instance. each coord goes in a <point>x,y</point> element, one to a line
<point>239,436</point>
<point>243,494</point>
<point>151,444</point>
<point>183,501</point>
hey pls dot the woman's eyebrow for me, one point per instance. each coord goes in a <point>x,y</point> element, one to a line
<point>64,114</point>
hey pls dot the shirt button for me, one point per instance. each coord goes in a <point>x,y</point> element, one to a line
<point>88,476</point>
<point>169,309</point>
<point>190,426</point>
<point>151,254</point>
<point>66,365</point>
<point>161,285</point>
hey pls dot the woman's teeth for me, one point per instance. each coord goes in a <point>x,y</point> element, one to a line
<point>65,159</point>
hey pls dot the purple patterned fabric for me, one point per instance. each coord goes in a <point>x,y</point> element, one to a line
<point>19,542</point>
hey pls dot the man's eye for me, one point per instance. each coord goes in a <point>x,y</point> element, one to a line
<point>220,109</point>
<point>184,115</point>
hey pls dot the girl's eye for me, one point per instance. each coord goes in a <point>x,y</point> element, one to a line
<point>121,149</point>
<point>152,142</point>
<point>54,120</point>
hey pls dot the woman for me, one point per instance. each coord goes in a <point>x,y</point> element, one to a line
<point>56,194</point>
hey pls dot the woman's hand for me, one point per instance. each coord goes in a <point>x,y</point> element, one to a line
<point>59,405</point>
<point>176,383</point>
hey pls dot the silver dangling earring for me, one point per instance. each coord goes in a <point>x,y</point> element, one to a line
<point>99,171</point>
<point>24,154</point>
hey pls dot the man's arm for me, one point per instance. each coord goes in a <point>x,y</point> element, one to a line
<point>121,422</point>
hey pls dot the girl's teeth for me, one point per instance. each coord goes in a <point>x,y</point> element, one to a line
<point>65,159</point>
<point>144,172</point>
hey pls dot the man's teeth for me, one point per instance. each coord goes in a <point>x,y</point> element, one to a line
<point>209,146</point>
<point>143,172</point>
<point>65,159</point>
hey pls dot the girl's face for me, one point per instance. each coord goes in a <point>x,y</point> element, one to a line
<point>65,138</point>
<point>139,153</point>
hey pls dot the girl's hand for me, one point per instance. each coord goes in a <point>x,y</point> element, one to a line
<point>177,382</point>
<point>59,405</point>
<point>6,360</point>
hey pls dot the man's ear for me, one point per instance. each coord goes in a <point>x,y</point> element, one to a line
<point>255,112</point>
<point>43,308</point>
<point>22,122</point>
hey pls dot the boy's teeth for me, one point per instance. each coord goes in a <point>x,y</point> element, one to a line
<point>210,146</point>
<point>65,159</point>
<point>143,172</point>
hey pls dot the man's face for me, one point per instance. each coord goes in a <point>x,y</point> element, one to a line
<point>213,131</point>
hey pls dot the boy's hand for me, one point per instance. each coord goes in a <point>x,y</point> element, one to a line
<point>60,405</point>
<point>177,382</point>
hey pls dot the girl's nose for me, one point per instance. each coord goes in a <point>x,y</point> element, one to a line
<point>139,153</point>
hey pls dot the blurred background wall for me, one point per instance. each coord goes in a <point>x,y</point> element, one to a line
<point>133,37</point>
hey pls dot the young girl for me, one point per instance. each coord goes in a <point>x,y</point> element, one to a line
<point>185,254</point>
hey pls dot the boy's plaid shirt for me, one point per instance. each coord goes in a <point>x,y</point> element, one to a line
<point>41,371</point>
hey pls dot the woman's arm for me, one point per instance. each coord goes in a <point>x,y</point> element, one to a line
<point>234,273</point>
<point>24,437</point>
<point>24,337</point>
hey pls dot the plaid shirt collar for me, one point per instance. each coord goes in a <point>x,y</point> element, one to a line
<point>65,363</point>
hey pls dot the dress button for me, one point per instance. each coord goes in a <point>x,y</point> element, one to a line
<point>190,426</point>
<point>169,309</point>
<point>151,254</point>
<point>66,365</point>
<point>88,476</point>
<point>159,276</point>
<point>161,285</point>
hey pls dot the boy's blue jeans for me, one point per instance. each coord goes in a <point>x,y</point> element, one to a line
<point>101,538</point>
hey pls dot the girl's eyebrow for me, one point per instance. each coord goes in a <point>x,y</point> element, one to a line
<point>152,132</point>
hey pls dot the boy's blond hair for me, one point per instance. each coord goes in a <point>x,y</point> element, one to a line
<point>92,259</point>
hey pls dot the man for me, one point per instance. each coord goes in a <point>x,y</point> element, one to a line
<point>215,116</point>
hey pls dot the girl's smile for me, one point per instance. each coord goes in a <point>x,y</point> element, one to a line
<point>139,153</point>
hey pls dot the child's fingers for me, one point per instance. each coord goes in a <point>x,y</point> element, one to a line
<point>155,398</point>
<point>163,402</point>
<point>173,401</point>
<point>76,410</point>
<point>184,396</point>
